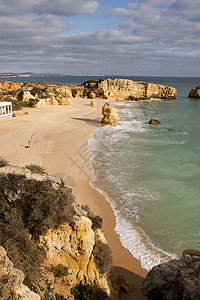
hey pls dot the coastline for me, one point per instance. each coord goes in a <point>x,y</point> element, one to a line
<point>61,148</point>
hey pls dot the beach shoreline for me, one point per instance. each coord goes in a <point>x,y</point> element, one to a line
<point>59,137</point>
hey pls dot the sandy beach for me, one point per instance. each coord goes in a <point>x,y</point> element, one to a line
<point>58,138</point>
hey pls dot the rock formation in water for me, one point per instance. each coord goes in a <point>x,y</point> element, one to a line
<point>175,280</point>
<point>195,93</point>
<point>154,122</point>
<point>123,89</point>
<point>110,115</point>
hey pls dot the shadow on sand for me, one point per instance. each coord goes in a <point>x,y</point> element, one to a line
<point>94,122</point>
<point>136,280</point>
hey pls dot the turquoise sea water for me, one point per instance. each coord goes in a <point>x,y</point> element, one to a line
<point>150,174</point>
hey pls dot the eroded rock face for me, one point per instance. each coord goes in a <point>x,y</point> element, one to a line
<point>75,245</point>
<point>42,93</point>
<point>110,115</point>
<point>175,280</point>
<point>36,93</point>
<point>125,89</point>
<point>72,247</point>
<point>11,281</point>
<point>195,93</point>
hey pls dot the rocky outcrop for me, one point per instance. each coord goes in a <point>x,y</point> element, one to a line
<point>126,89</point>
<point>73,247</point>
<point>42,93</point>
<point>11,281</point>
<point>195,93</point>
<point>68,247</point>
<point>175,280</point>
<point>36,94</point>
<point>110,115</point>
<point>154,122</point>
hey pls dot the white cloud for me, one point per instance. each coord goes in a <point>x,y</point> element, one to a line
<point>154,37</point>
<point>175,24</point>
<point>56,7</point>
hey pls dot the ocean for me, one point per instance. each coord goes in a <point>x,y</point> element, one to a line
<point>150,174</point>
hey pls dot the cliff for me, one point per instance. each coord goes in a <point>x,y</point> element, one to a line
<point>56,243</point>
<point>195,93</point>
<point>175,280</point>
<point>123,89</point>
<point>11,281</point>
<point>35,94</point>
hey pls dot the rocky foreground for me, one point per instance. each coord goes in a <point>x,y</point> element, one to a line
<point>51,247</point>
<point>35,94</point>
<point>175,280</point>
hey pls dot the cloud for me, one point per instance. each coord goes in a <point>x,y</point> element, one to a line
<point>154,38</point>
<point>175,24</point>
<point>55,7</point>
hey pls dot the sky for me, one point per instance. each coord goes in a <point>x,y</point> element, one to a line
<point>98,37</point>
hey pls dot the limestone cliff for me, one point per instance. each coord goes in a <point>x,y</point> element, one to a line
<point>175,280</point>
<point>126,89</point>
<point>41,93</point>
<point>195,93</point>
<point>11,281</point>
<point>36,94</point>
<point>50,237</point>
<point>73,247</point>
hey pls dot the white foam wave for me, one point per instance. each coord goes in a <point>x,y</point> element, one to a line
<point>135,240</point>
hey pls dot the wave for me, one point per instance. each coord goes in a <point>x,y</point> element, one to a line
<point>134,239</point>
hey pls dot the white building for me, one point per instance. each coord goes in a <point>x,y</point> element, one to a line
<point>6,109</point>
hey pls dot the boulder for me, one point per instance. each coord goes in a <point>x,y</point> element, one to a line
<point>110,115</point>
<point>154,122</point>
<point>195,93</point>
<point>92,103</point>
<point>175,280</point>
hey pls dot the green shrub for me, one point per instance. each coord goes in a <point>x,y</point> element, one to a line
<point>35,90</point>
<point>90,81</point>
<point>102,257</point>
<point>3,162</point>
<point>88,292</point>
<point>36,169</point>
<point>96,220</point>
<point>18,104</point>
<point>33,102</point>
<point>37,207</point>
<point>59,270</point>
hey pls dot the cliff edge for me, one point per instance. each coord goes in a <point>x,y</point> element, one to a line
<point>57,244</point>
<point>41,93</point>
<point>123,89</point>
<point>175,280</point>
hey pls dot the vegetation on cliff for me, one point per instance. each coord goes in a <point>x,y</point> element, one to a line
<point>34,94</point>
<point>28,210</point>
